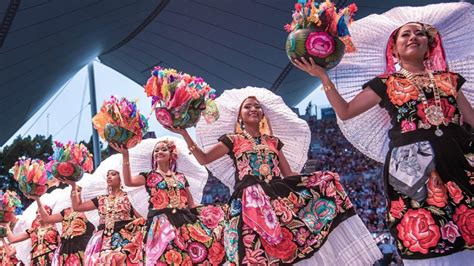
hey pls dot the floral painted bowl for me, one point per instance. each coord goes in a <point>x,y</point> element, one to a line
<point>326,50</point>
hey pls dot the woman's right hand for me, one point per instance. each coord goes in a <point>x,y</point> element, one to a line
<point>177,130</point>
<point>121,148</point>
<point>311,68</point>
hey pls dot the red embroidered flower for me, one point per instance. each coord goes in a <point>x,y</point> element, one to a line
<point>216,253</point>
<point>241,145</point>
<point>437,192</point>
<point>186,261</point>
<point>51,236</point>
<point>153,179</point>
<point>198,234</point>
<point>159,199</point>
<point>418,231</point>
<point>173,257</point>
<point>408,126</point>
<point>400,90</point>
<point>448,110</point>
<point>455,192</point>
<point>285,250</point>
<point>450,232</point>
<point>397,207</point>
<point>73,260</point>
<point>464,219</point>
<point>211,216</point>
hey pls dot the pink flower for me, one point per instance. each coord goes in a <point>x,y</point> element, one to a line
<point>269,216</point>
<point>408,126</point>
<point>164,117</point>
<point>197,252</point>
<point>287,28</point>
<point>301,236</point>
<point>320,44</point>
<point>298,7</point>
<point>254,196</point>
<point>211,216</point>
<point>450,232</point>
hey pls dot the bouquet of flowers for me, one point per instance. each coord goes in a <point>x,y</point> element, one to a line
<point>10,205</point>
<point>31,176</point>
<point>120,121</point>
<point>180,99</point>
<point>69,161</point>
<point>320,31</point>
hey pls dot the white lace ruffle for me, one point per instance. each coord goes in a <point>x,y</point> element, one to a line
<point>350,243</point>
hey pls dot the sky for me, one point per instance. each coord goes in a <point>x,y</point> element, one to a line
<point>67,115</point>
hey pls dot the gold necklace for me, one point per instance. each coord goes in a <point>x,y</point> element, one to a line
<point>110,215</point>
<point>262,151</point>
<point>173,190</point>
<point>434,112</point>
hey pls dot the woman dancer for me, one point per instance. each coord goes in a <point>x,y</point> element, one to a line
<point>177,234</point>
<point>428,169</point>
<point>119,238</point>
<point>44,239</point>
<point>276,220</point>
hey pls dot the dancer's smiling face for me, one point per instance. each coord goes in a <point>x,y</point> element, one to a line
<point>162,152</point>
<point>251,111</point>
<point>411,42</point>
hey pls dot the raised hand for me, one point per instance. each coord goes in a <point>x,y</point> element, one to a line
<point>310,67</point>
<point>176,130</point>
<point>121,148</point>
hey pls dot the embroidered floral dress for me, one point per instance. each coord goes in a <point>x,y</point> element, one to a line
<point>428,178</point>
<point>44,242</point>
<point>7,260</point>
<point>119,238</point>
<point>76,233</point>
<point>274,220</point>
<point>178,235</point>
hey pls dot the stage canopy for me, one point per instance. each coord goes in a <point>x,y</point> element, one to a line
<point>230,43</point>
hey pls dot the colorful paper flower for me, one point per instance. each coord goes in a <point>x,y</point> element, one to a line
<point>180,99</point>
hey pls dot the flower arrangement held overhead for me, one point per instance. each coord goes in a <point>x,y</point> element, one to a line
<point>319,31</point>
<point>69,161</point>
<point>180,99</point>
<point>10,205</point>
<point>119,121</point>
<point>31,176</point>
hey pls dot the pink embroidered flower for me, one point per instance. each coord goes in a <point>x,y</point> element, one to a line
<point>319,179</point>
<point>450,232</point>
<point>211,216</point>
<point>330,190</point>
<point>216,253</point>
<point>254,196</point>
<point>197,252</point>
<point>243,166</point>
<point>320,44</point>
<point>301,236</point>
<point>408,126</point>
<point>269,217</point>
<point>153,179</point>
<point>254,257</point>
